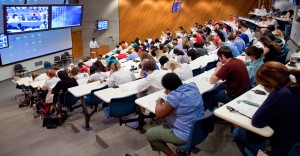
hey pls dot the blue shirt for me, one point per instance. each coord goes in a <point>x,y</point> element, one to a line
<point>235,51</point>
<point>245,37</point>
<point>188,105</point>
<point>253,66</point>
<point>132,56</point>
<point>179,47</point>
<point>240,44</point>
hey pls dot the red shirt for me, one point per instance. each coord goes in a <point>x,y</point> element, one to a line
<point>199,38</point>
<point>121,56</point>
<point>236,75</point>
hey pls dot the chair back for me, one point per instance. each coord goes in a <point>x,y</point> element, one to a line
<point>56,58</point>
<point>295,151</point>
<point>211,65</point>
<point>67,54</point>
<point>63,57</point>
<point>69,99</point>
<point>93,98</point>
<point>208,97</point>
<point>196,71</point>
<point>47,65</point>
<point>200,130</point>
<point>124,106</point>
<point>18,67</point>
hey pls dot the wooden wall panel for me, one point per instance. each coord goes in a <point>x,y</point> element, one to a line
<point>147,18</point>
<point>77,43</point>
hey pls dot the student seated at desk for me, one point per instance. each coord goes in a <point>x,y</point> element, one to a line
<point>133,55</point>
<point>49,84</point>
<point>181,57</point>
<point>62,86</point>
<point>99,72</point>
<point>163,62</point>
<point>256,60</point>
<point>233,72</point>
<point>111,61</point>
<point>76,74</point>
<point>121,55</point>
<point>271,49</point>
<point>37,77</point>
<point>210,44</point>
<point>181,107</point>
<point>119,75</point>
<point>184,71</point>
<point>243,36</point>
<point>152,82</point>
<point>280,111</point>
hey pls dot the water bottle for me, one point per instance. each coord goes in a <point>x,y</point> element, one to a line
<point>84,75</point>
<point>132,69</point>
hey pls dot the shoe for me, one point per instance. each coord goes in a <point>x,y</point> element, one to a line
<point>180,153</point>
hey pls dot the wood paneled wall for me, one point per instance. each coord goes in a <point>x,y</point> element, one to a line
<point>77,43</point>
<point>147,18</point>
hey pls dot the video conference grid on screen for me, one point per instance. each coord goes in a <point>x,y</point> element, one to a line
<point>66,16</point>
<point>26,18</point>
<point>35,44</point>
<point>102,25</point>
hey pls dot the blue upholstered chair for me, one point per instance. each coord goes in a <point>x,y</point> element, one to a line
<point>200,130</point>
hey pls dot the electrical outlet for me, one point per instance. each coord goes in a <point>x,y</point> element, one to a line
<point>39,63</point>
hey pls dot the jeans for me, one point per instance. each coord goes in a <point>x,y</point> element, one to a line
<point>221,95</point>
<point>249,143</point>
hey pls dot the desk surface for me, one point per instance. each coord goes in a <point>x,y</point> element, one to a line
<point>85,89</point>
<point>124,90</point>
<point>241,120</point>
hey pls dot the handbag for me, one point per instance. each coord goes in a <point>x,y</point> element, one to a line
<point>49,98</point>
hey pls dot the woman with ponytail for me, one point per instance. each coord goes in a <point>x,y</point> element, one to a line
<point>280,111</point>
<point>119,75</point>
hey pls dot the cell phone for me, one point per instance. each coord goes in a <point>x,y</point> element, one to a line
<point>260,92</point>
<point>230,108</point>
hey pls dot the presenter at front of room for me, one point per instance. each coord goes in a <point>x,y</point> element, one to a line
<point>94,44</point>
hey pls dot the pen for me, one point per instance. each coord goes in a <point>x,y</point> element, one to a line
<point>248,103</point>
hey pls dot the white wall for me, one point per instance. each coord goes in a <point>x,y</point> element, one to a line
<point>8,71</point>
<point>295,34</point>
<point>95,10</point>
<point>284,5</point>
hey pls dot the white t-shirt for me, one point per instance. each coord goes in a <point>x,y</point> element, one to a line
<point>152,82</point>
<point>96,76</point>
<point>120,77</point>
<point>94,44</point>
<point>248,32</point>
<point>184,72</point>
<point>211,47</point>
<point>50,83</point>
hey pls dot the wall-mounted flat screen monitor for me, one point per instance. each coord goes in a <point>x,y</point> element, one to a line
<point>102,25</point>
<point>64,16</point>
<point>25,18</point>
<point>3,41</point>
<point>176,7</point>
<point>296,2</point>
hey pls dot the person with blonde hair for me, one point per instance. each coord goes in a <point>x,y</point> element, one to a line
<point>119,75</point>
<point>183,71</point>
<point>280,111</point>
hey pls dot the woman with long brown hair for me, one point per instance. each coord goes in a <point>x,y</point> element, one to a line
<point>280,111</point>
<point>271,48</point>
